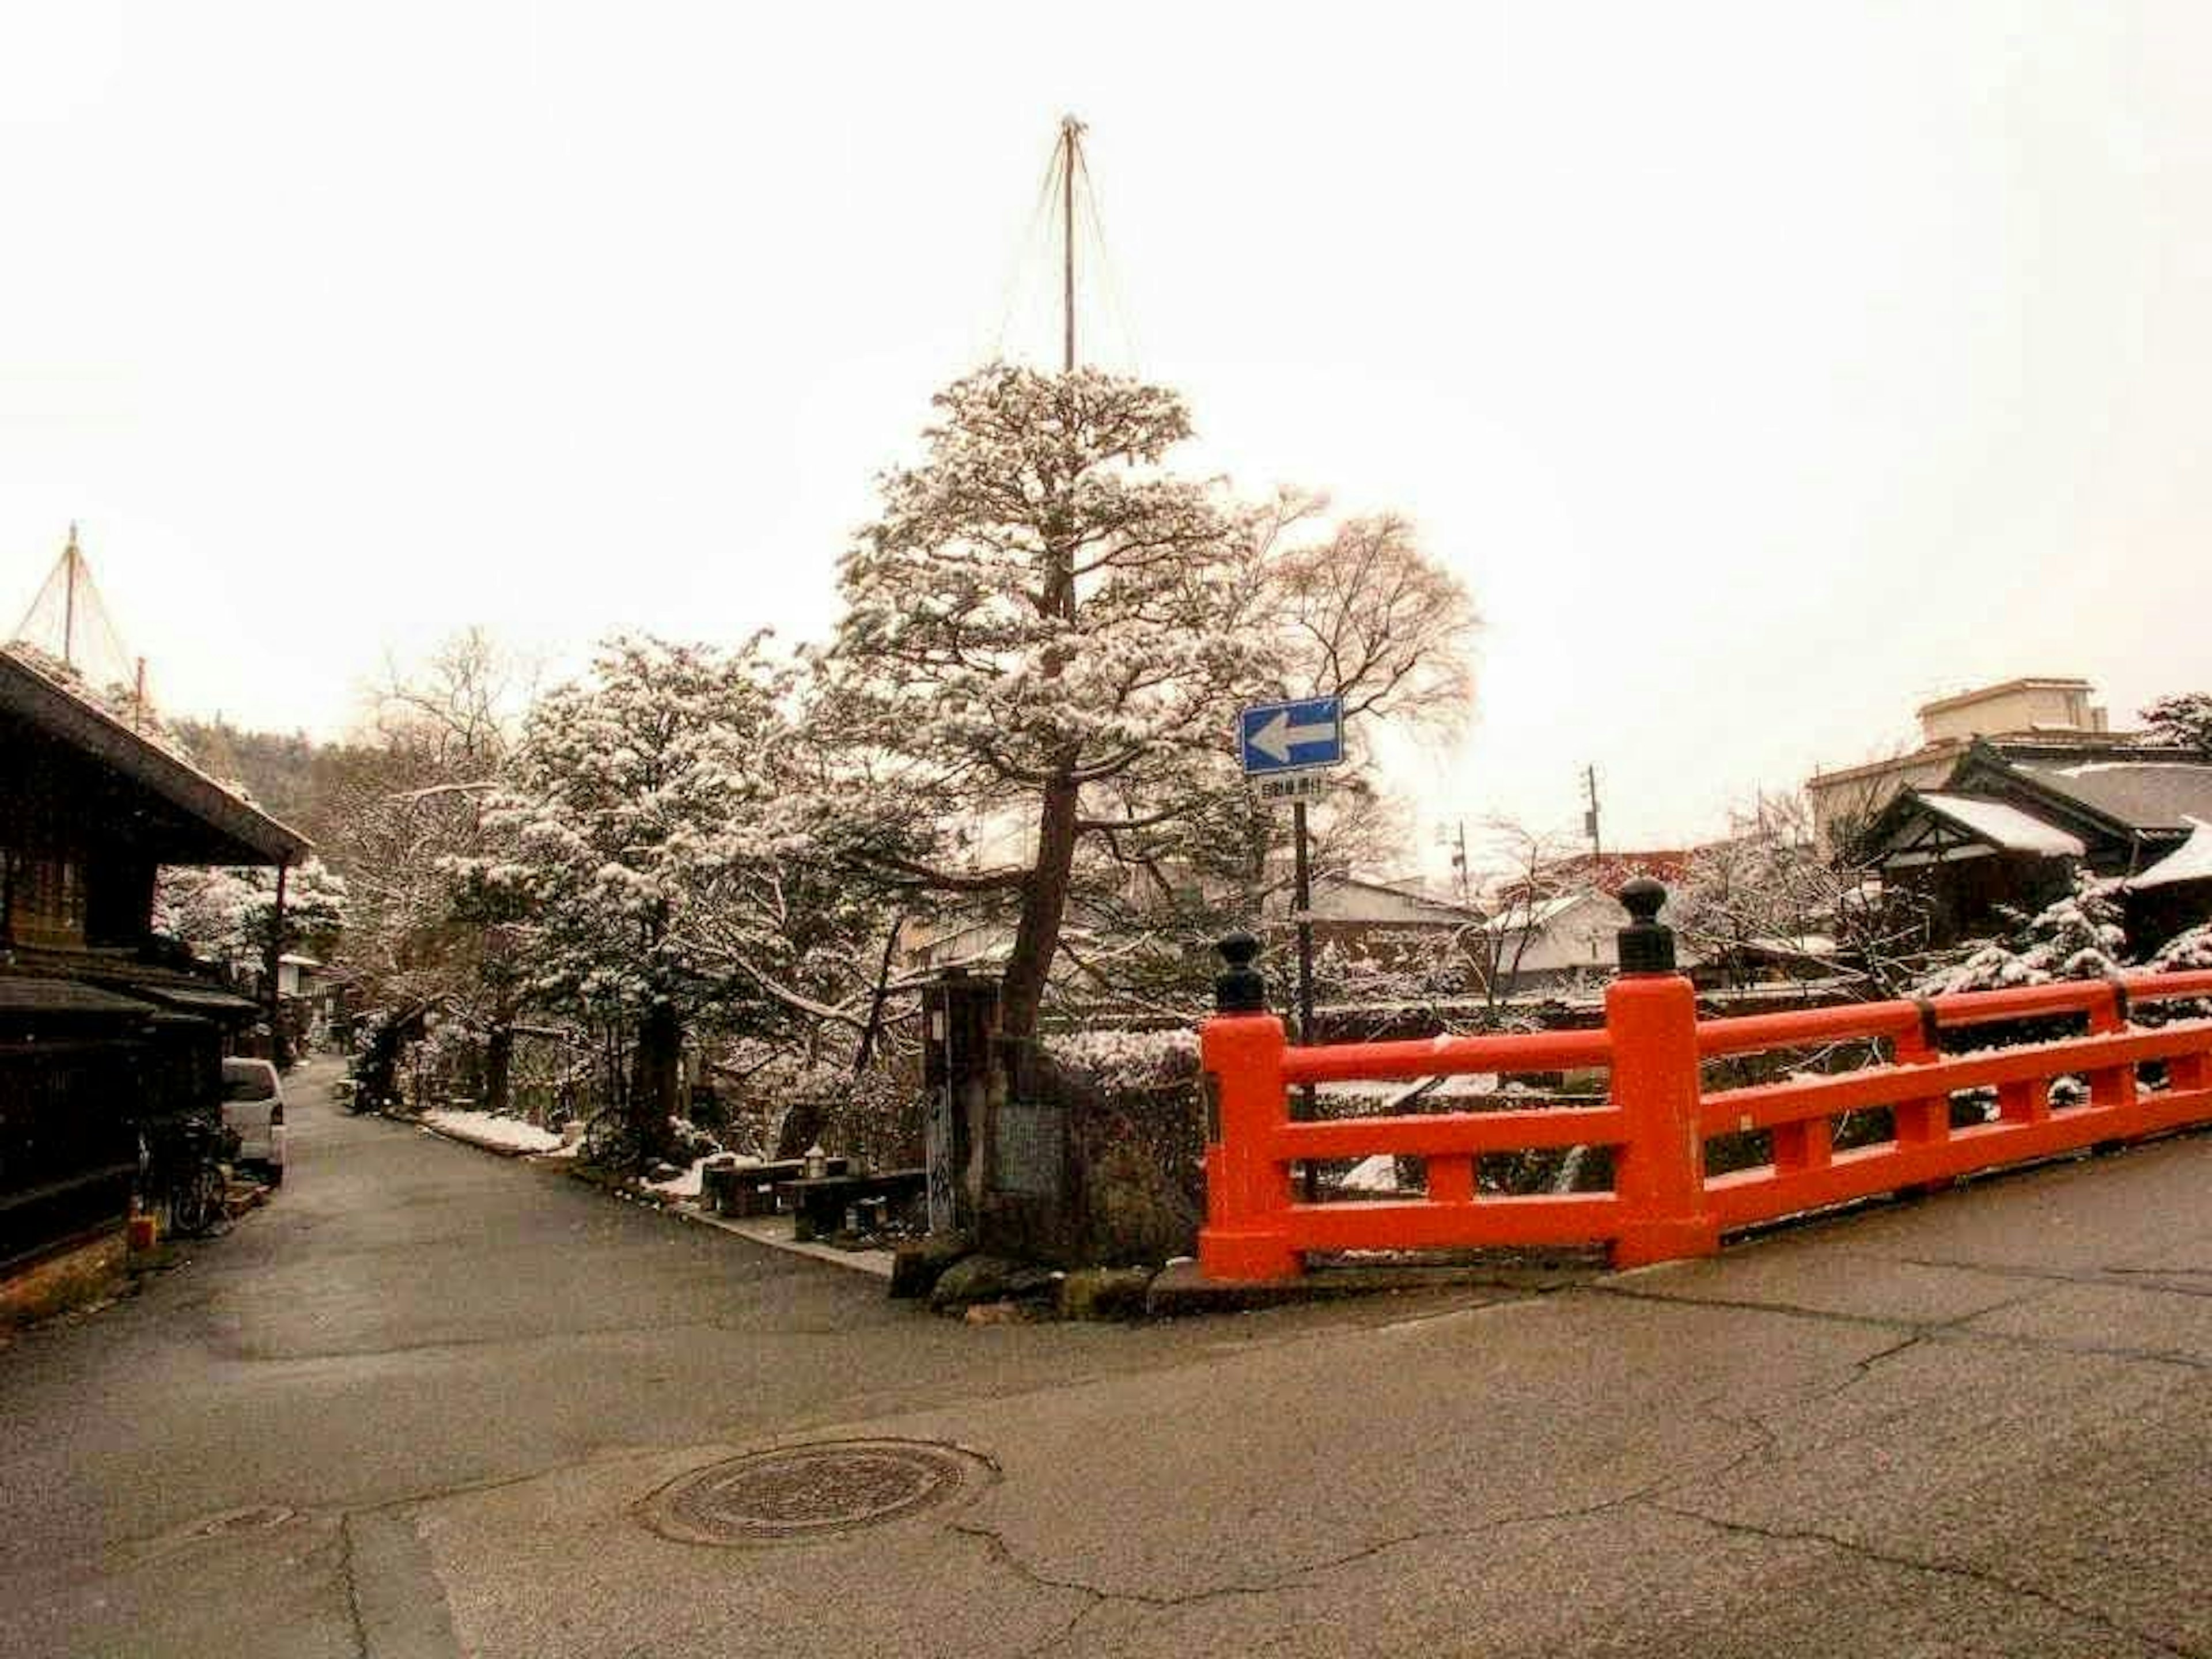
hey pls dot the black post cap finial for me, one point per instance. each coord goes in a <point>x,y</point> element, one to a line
<point>1647,943</point>
<point>1241,990</point>
<point>1642,898</point>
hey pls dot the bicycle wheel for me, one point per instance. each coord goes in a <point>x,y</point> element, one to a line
<point>198,1204</point>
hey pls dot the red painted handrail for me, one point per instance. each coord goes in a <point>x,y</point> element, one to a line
<point>1376,1062</point>
<point>1663,1205</point>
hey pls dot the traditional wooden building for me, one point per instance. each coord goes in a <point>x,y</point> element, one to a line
<point>2017,819</point>
<point>98,1030</point>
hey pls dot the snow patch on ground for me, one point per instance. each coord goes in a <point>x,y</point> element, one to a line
<point>687,1185</point>
<point>500,1135</point>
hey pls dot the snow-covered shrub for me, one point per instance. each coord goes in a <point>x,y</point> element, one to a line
<point>2184,952</point>
<point>2079,937</point>
<point>1121,1060</point>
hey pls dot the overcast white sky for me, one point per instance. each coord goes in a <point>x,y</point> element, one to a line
<point>1764,370</point>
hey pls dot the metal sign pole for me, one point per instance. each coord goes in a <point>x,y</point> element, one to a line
<point>1283,747</point>
<point>1301,901</point>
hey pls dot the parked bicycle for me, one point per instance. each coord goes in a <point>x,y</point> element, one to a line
<point>185,1169</point>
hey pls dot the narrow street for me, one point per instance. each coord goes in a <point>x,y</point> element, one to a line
<point>423,1404</point>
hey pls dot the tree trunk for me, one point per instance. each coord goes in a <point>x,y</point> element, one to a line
<point>1044,900</point>
<point>656,1080</point>
<point>499,1067</point>
<point>866,1049</point>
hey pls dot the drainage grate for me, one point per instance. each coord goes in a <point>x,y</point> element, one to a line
<point>812,1492</point>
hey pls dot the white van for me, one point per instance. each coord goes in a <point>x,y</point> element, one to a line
<point>253,1105</point>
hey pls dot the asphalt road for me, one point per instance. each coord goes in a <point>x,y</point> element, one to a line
<point>420,1403</point>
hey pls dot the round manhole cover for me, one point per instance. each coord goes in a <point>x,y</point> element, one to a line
<point>811,1491</point>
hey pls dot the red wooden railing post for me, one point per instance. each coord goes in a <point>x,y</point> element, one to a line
<point>1926,1120</point>
<point>2111,1086</point>
<point>1248,1190</point>
<point>1651,1015</point>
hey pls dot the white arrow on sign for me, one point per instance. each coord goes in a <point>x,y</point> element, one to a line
<point>1277,737</point>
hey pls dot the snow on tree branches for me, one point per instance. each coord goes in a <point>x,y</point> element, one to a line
<point>2185,718</point>
<point>226,916</point>
<point>657,860</point>
<point>1043,625</point>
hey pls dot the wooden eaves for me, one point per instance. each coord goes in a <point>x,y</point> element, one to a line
<point>200,821</point>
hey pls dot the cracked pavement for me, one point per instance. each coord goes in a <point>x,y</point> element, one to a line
<point>431,1387</point>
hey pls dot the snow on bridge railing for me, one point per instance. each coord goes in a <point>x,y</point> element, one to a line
<point>1659,1116</point>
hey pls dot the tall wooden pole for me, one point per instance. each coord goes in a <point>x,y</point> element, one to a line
<point>1070,134</point>
<point>69,600</point>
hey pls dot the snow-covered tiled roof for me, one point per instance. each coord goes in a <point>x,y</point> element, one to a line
<point>1533,917</point>
<point>2190,861</point>
<point>2151,790</point>
<point>2002,825</point>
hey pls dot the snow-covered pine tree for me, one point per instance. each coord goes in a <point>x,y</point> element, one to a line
<point>2185,718</point>
<point>1046,634</point>
<point>1043,625</point>
<point>633,804</point>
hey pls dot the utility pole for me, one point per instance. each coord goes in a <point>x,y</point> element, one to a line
<point>279,1042</point>
<point>1590,819</point>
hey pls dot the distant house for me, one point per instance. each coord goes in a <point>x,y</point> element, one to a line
<point>2054,711</point>
<point>1566,941</point>
<point>1346,908</point>
<point>96,1029</point>
<point>2016,819</point>
<point>1373,923</point>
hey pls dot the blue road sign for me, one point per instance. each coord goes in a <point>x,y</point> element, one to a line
<point>1289,736</point>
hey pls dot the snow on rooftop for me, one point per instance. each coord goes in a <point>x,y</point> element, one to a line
<point>1520,916</point>
<point>2190,861</point>
<point>2006,826</point>
<point>2085,768</point>
<point>1802,945</point>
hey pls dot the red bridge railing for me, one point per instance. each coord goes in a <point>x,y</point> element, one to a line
<point>1658,1114</point>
